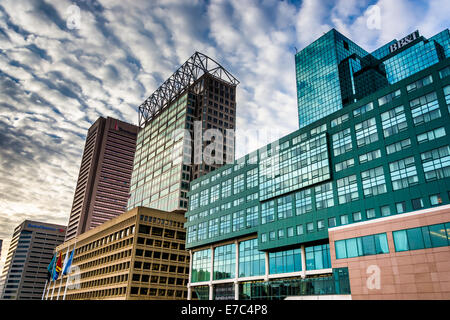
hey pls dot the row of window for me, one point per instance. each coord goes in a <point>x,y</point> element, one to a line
<point>97,294</point>
<point>425,237</point>
<point>154,292</point>
<point>361,246</point>
<point>146,278</point>
<point>103,254</point>
<point>433,236</point>
<point>403,174</point>
<point>105,240</point>
<point>148,242</point>
<point>252,261</point>
<point>276,175</point>
<point>383,211</point>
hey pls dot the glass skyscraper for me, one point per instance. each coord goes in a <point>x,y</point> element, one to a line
<point>201,92</point>
<point>333,71</point>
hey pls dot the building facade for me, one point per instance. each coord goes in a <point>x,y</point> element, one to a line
<point>103,183</point>
<point>403,256</point>
<point>333,71</point>
<point>270,214</point>
<point>139,255</point>
<point>29,254</point>
<point>198,98</point>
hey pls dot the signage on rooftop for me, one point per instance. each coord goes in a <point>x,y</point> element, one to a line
<point>404,41</point>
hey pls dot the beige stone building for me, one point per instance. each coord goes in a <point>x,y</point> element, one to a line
<point>138,255</point>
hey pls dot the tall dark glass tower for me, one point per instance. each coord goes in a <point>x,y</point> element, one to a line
<point>333,71</point>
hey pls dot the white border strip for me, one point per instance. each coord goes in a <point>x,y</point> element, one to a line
<point>392,217</point>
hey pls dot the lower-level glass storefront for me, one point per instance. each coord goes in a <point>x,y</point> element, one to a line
<point>278,289</point>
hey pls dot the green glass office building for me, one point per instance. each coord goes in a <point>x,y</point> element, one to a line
<point>259,228</point>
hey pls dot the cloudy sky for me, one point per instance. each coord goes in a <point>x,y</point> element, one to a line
<point>65,63</point>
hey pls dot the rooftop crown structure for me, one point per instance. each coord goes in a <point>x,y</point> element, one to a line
<point>197,65</point>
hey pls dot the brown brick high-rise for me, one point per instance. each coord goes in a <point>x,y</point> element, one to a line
<point>105,172</point>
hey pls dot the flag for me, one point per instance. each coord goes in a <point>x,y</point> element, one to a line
<point>68,264</point>
<point>58,267</point>
<point>50,268</point>
<point>66,259</point>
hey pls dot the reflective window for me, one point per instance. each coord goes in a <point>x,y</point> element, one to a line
<point>435,199</point>
<point>226,188</point>
<point>400,207</point>
<point>285,261</point>
<point>444,72</point>
<point>363,109</point>
<point>419,83</point>
<point>422,237</point>
<point>294,168</point>
<point>238,220</point>
<point>213,230</point>
<point>398,146</point>
<point>303,201</point>
<point>224,262</point>
<point>436,163</point>
<point>344,164</point>
<point>425,108</point>
<point>366,132</point>
<point>267,211</point>
<point>225,224</point>
<point>318,257</point>
<point>251,260</point>
<point>369,156</point>
<point>347,189</point>
<point>342,142</point>
<point>447,96</point>
<point>204,197</point>
<point>339,120</point>
<point>324,196</point>
<point>284,207</point>
<point>252,216</point>
<point>431,135</point>
<point>403,173</point>
<point>238,184</point>
<point>361,246</point>
<point>385,211</point>
<point>356,216</point>
<point>252,178</point>
<point>393,121</point>
<point>389,97</point>
<point>215,193</point>
<point>373,182</point>
<point>193,201</point>
<point>201,266</point>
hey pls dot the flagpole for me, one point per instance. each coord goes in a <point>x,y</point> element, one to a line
<point>48,289</point>
<point>45,287</point>
<point>54,284</point>
<point>62,274</point>
<point>60,285</point>
<point>68,272</point>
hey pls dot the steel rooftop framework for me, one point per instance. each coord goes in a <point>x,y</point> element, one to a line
<point>196,66</point>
